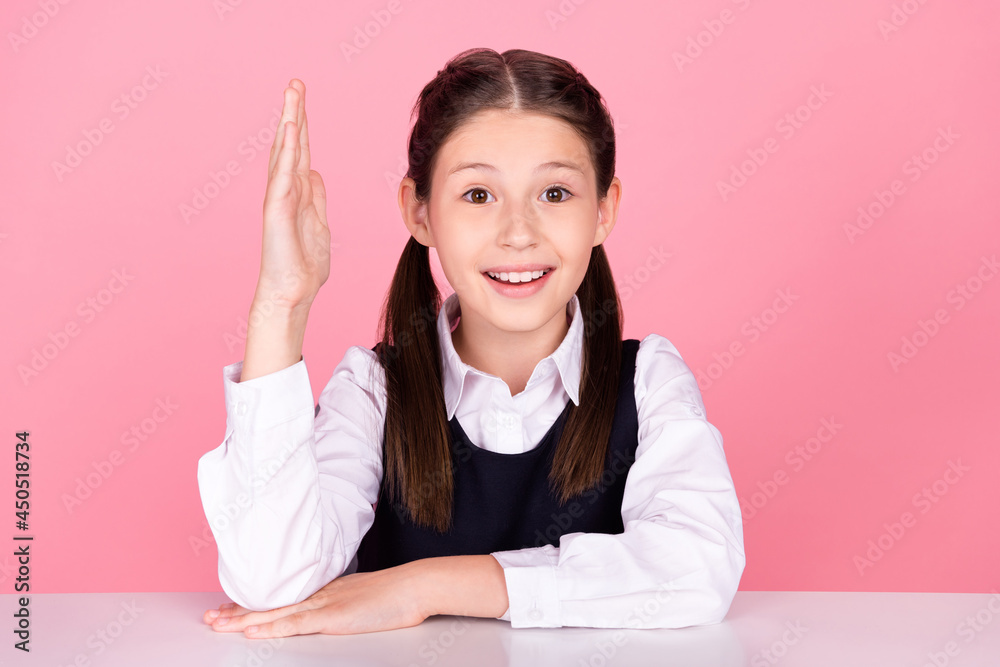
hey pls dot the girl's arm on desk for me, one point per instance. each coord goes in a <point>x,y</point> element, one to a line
<point>397,597</point>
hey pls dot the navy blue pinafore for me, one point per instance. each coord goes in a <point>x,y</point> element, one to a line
<point>503,502</point>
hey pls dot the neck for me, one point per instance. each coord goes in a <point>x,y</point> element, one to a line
<point>509,355</point>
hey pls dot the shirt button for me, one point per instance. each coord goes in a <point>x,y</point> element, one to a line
<point>697,412</point>
<point>535,615</point>
<point>241,408</point>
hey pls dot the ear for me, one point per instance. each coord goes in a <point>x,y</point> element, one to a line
<point>414,212</point>
<point>607,212</point>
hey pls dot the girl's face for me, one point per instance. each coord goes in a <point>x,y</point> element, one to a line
<point>513,191</point>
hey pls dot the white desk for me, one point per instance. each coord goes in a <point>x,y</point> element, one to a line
<point>842,629</point>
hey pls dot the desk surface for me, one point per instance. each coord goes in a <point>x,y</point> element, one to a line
<point>761,629</point>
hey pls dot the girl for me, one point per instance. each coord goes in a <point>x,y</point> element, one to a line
<point>503,454</point>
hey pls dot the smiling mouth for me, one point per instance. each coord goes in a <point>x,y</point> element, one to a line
<point>516,278</point>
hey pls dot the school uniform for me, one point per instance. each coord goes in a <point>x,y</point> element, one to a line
<point>294,493</point>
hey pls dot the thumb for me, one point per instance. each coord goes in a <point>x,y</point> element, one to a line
<point>319,193</point>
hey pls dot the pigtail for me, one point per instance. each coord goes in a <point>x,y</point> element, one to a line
<point>417,455</point>
<point>580,454</point>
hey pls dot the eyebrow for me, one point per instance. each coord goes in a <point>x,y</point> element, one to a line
<point>555,164</point>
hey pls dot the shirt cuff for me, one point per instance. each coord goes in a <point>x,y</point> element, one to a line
<point>258,405</point>
<point>532,589</point>
<point>268,400</point>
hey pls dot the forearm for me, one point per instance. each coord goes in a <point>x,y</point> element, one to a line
<point>463,586</point>
<point>274,339</point>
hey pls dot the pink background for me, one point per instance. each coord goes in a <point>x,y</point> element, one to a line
<point>683,127</point>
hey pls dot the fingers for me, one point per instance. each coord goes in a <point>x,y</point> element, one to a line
<point>226,610</point>
<point>300,623</point>
<point>279,133</point>
<point>283,168</point>
<point>294,110</point>
<point>302,164</point>
<point>237,622</point>
<point>319,194</point>
<point>289,112</point>
<point>280,177</point>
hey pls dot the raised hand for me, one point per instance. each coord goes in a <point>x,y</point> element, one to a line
<point>295,255</point>
<point>295,252</point>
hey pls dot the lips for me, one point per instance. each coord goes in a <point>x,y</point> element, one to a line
<point>517,268</point>
<point>519,289</point>
<point>516,278</point>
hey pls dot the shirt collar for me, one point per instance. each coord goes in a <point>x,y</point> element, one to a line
<point>567,357</point>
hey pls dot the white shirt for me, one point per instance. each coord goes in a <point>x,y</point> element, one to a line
<point>289,495</point>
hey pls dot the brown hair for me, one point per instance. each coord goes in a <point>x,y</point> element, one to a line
<point>418,463</point>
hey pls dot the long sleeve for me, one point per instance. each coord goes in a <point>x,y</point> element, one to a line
<point>290,491</point>
<point>680,558</point>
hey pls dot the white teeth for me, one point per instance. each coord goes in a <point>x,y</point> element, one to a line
<point>514,278</point>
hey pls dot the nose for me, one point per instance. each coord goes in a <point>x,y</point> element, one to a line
<point>519,228</point>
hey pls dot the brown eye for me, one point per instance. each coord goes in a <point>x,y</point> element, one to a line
<point>479,196</point>
<point>556,200</point>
